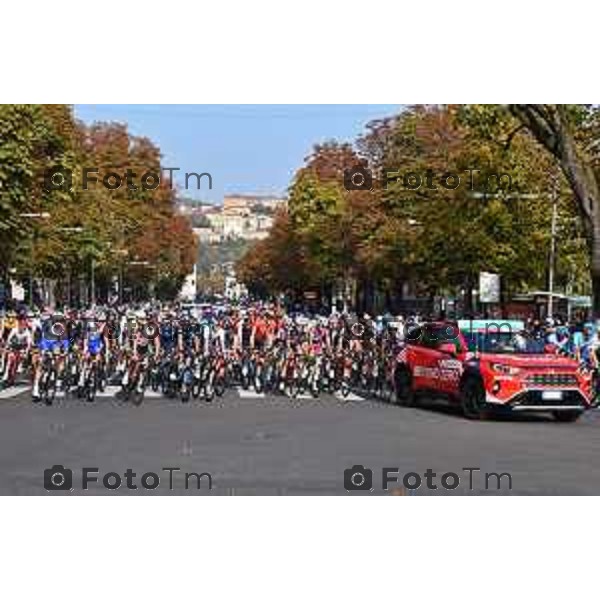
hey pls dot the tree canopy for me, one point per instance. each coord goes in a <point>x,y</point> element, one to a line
<point>483,203</point>
<point>124,229</point>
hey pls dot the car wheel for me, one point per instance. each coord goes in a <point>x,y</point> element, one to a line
<point>566,416</point>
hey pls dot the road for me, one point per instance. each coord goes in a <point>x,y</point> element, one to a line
<point>273,445</point>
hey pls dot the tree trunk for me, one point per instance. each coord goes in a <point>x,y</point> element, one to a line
<point>594,250</point>
<point>549,124</point>
<point>468,301</point>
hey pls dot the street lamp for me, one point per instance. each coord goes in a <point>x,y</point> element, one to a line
<point>93,282</point>
<point>486,195</point>
<point>122,252</point>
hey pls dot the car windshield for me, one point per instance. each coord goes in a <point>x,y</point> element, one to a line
<point>503,342</point>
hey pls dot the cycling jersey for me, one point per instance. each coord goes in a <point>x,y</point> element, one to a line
<point>53,336</point>
<point>95,340</point>
<point>260,329</point>
<point>168,334</point>
<point>19,339</point>
<point>10,323</point>
<point>142,343</point>
<point>589,347</point>
<point>189,331</point>
<point>246,332</point>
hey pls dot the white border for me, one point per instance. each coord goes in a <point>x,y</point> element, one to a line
<point>267,51</point>
<point>298,548</point>
<point>303,52</point>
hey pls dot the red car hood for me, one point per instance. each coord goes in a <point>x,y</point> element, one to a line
<point>532,361</point>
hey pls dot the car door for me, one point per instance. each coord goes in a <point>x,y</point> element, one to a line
<point>423,361</point>
<point>449,365</point>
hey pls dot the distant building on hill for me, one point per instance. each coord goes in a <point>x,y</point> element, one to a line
<point>244,203</point>
<point>245,217</point>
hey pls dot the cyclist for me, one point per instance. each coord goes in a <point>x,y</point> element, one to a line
<point>585,342</point>
<point>168,333</point>
<point>95,341</point>
<point>18,342</point>
<point>560,340</point>
<point>9,322</point>
<point>143,342</point>
<point>54,339</point>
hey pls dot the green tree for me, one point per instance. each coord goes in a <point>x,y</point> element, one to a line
<point>570,134</point>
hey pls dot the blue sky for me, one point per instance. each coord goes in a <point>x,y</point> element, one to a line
<point>246,148</point>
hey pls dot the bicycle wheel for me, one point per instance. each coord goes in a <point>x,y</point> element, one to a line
<point>209,392</point>
<point>44,389</point>
<point>219,386</point>
<point>90,389</point>
<point>184,393</point>
<point>137,397</point>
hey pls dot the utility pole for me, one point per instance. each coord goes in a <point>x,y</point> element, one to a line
<point>93,284</point>
<point>120,285</point>
<point>552,247</point>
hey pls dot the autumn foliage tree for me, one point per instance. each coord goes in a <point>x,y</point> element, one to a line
<point>278,263</point>
<point>90,226</point>
<point>462,217</point>
<point>570,134</point>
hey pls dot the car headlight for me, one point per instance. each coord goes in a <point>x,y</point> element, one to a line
<point>505,369</point>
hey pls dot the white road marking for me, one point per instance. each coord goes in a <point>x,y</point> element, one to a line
<point>13,391</point>
<point>249,393</point>
<point>111,391</point>
<point>351,397</point>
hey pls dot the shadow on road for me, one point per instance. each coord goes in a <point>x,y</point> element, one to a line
<point>441,406</point>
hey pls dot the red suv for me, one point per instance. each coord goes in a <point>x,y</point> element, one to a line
<point>485,365</point>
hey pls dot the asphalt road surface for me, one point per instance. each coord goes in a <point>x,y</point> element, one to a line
<point>255,444</point>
